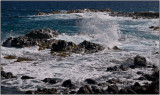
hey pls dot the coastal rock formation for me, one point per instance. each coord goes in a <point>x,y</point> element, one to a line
<point>42,39</point>
<point>42,34</point>
<point>84,47</point>
<point>36,37</point>
<point>90,81</point>
<point>140,61</point>
<point>134,15</point>
<point>26,77</point>
<point>43,91</point>
<point>7,75</point>
<point>51,80</point>
<point>62,45</point>
<point>67,83</point>
<point>88,47</point>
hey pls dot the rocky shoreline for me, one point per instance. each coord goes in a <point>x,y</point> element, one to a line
<point>134,15</point>
<point>42,39</point>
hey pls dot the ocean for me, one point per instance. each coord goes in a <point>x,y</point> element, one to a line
<point>133,36</point>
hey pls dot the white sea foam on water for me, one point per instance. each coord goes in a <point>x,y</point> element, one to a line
<point>97,27</point>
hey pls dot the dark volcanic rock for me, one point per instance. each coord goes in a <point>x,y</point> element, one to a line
<point>118,68</point>
<point>26,77</point>
<point>67,83</point>
<point>42,34</point>
<point>90,81</point>
<point>84,47</point>
<point>62,45</point>
<point>140,61</point>
<point>36,37</point>
<point>116,48</point>
<point>7,75</point>
<point>51,80</point>
<point>43,91</point>
<point>88,47</point>
<point>112,88</point>
<point>126,91</point>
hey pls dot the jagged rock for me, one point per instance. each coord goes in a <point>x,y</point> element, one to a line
<point>116,48</point>
<point>36,37</point>
<point>62,45</point>
<point>41,13</point>
<point>112,88</point>
<point>113,81</point>
<point>67,83</point>
<point>29,92</point>
<point>156,28</point>
<point>90,81</point>
<point>43,91</point>
<point>42,34</point>
<point>26,77</point>
<point>88,47</point>
<point>126,91</point>
<point>117,68</point>
<point>51,80</point>
<point>151,27</point>
<point>140,61</point>
<point>85,90</point>
<point>7,75</point>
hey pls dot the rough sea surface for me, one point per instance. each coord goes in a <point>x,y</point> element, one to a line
<point>133,36</point>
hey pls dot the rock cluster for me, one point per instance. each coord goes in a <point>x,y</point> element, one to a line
<point>134,15</point>
<point>36,37</point>
<point>42,37</point>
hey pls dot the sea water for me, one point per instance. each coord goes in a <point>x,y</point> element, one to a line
<point>133,36</point>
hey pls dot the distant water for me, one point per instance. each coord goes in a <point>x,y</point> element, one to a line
<point>133,36</point>
<point>16,15</point>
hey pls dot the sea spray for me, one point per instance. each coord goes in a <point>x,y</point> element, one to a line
<point>101,28</point>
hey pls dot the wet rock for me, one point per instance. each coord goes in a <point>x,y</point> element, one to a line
<point>51,80</point>
<point>156,28</point>
<point>67,83</point>
<point>126,91</point>
<point>116,48</point>
<point>113,81</point>
<point>151,27</point>
<point>112,88</point>
<point>42,34</point>
<point>88,47</point>
<point>118,68</point>
<point>90,81</point>
<point>46,91</point>
<point>140,72</point>
<point>141,78</point>
<point>62,45</point>
<point>36,37</point>
<point>26,77</point>
<point>123,67</point>
<point>85,90</point>
<point>41,13</point>
<point>29,92</point>
<point>140,61</point>
<point>72,92</point>
<point>7,75</point>
<point>97,90</point>
<point>153,76</point>
<point>136,84</point>
<point>115,68</point>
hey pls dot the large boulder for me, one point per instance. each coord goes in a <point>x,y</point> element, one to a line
<point>37,37</point>
<point>26,77</point>
<point>51,80</point>
<point>62,45</point>
<point>42,34</point>
<point>140,61</point>
<point>88,47</point>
